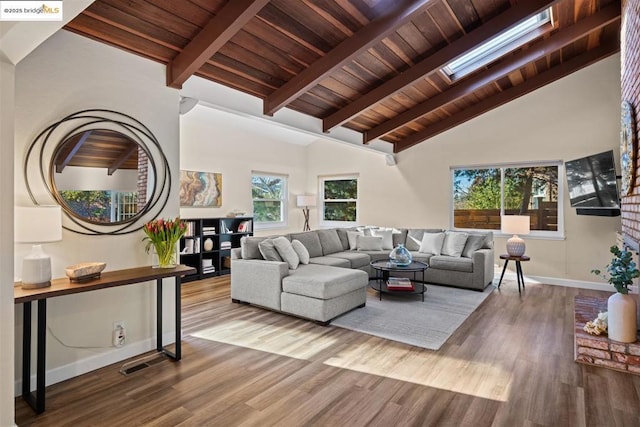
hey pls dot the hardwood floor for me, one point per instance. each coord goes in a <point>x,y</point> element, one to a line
<point>510,364</point>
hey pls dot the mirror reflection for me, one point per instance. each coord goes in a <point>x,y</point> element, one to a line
<point>102,176</point>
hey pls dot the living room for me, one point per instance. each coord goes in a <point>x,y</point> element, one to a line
<point>568,119</point>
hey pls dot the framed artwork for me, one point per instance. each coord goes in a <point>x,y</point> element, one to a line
<point>200,189</point>
<point>627,148</point>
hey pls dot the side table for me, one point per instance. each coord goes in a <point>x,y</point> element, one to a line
<point>518,260</point>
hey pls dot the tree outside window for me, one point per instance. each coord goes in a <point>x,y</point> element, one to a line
<point>481,195</point>
<point>339,199</point>
<point>269,194</point>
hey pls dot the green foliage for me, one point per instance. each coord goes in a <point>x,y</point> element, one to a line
<point>622,270</point>
<point>340,211</point>
<point>341,189</point>
<point>94,205</point>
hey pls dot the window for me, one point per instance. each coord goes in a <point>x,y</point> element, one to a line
<point>482,194</point>
<point>269,195</point>
<point>491,50</point>
<point>339,197</point>
<point>102,206</point>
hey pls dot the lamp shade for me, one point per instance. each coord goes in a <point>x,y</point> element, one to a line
<point>303,201</point>
<point>515,224</point>
<point>37,224</point>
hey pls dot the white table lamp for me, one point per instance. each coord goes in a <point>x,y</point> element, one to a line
<point>304,202</point>
<point>37,224</point>
<point>516,225</point>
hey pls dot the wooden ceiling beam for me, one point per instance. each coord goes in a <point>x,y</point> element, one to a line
<point>218,31</point>
<point>534,83</point>
<point>133,148</point>
<point>62,164</point>
<point>362,40</point>
<point>568,35</point>
<point>492,28</point>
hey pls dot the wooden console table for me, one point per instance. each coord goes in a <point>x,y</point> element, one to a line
<point>61,287</point>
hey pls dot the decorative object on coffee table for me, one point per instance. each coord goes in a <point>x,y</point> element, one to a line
<point>305,202</point>
<point>621,307</point>
<point>516,225</point>
<point>400,256</point>
<point>84,271</point>
<point>37,224</point>
<point>163,236</point>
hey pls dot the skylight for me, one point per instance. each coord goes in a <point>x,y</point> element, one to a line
<point>488,51</point>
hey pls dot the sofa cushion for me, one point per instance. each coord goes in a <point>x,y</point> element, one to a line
<point>431,243</point>
<point>329,260</point>
<point>376,255</point>
<point>302,252</point>
<point>454,242</point>
<point>399,236</point>
<point>476,241</point>
<point>344,238</point>
<point>414,237</point>
<point>286,251</point>
<point>444,262</point>
<point>249,247</point>
<point>269,251</point>
<point>369,243</point>
<point>329,241</point>
<point>310,240</point>
<point>352,236</point>
<point>387,237</point>
<point>324,282</point>
<point>422,257</point>
<point>357,259</point>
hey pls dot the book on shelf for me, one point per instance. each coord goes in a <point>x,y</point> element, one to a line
<point>191,229</point>
<point>400,284</point>
<point>244,227</point>
<point>207,270</point>
<point>225,245</point>
<point>208,231</point>
<point>196,245</point>
<point>224,229</point>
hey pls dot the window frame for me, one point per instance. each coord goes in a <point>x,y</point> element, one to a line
<point>330,224</point>
<point>271,225</point>
<point>536,234</point>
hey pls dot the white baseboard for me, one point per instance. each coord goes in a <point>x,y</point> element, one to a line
<point>91,363</point>
<point>596,286</point>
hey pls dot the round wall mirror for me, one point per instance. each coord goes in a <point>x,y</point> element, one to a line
<point>102,176</point>
<point>104,168</point>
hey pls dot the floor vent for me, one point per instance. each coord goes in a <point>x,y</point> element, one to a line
<point>142,363</point>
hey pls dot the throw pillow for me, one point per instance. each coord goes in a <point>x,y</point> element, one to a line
<point>268,250</point>
<point>329,241</point>
<point>474,242</point>
<point>310,240</point>
<point>352,235</point>
<point>415,235</point>
<point>286,251</point>
<point>387,237</point>
<point>454,242</point>
<point>431,243</point>
<point>302,252</point>
<point>369,243</point>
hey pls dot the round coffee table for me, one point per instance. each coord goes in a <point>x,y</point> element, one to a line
<point>385,269</point>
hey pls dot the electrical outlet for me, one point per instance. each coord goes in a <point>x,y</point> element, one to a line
<point>119,333</point>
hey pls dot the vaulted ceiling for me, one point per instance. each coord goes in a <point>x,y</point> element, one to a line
<point>373,66</point>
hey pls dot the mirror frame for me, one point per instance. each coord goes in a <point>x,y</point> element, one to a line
<point>42,151</point>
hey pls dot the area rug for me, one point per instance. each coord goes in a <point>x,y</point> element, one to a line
<point>405,318</point>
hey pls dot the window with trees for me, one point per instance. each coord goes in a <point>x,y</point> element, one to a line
<point>482,194</point>
<point>339,197</point>
<point>269,195</point>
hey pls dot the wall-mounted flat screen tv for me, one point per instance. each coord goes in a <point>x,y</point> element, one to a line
<point>592,182</point>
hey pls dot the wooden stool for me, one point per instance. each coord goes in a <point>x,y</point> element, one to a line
<point>518,260</point>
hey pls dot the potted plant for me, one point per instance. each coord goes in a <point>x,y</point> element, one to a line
<point>621,306</point>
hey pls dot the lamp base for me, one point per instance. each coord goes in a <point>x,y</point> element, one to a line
<point>515,246</point>
<point>36,269</point>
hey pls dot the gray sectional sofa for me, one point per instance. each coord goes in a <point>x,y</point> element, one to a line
<point>330,271</point>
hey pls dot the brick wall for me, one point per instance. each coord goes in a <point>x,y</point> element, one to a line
<point>143,174</point>
<point>630,54</point>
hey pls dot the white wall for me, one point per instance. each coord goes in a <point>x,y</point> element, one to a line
<point>216,141</point>
<point>7,79</point>
<point>571,118</point>
<point>65,74</point>
<point>82,178</point>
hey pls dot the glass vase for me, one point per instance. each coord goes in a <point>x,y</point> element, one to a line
<point>166,253</point>
<point>400,256</point>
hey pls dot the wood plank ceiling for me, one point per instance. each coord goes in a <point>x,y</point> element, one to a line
<point>373,66</point>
